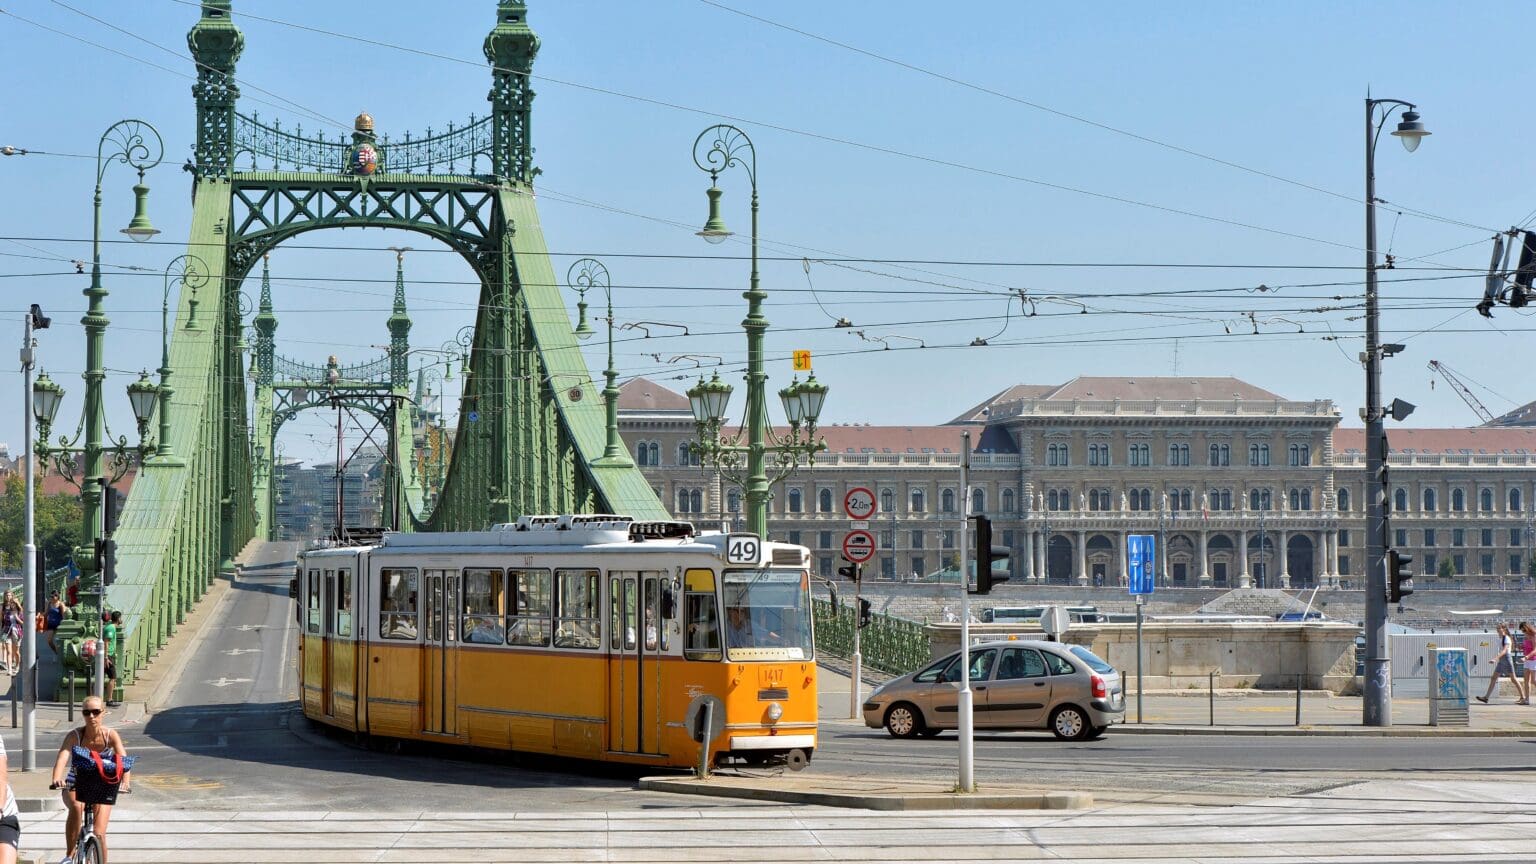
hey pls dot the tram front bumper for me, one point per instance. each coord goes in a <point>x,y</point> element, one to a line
<point>772,742</point>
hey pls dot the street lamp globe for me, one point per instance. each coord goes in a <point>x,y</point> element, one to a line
<point>46,396</point>
<point>714,230</point>
<point>142,395</point>
<point>139,227</point>
<point>794,408</point>
<point>813,394</point>
<point>708,399</point>
<point>1411,130</point>
<point>584,329</point>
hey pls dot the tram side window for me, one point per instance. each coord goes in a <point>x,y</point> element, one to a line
<point>397,603</point>
<point>483,607</point>
<point>312,605</point>
<point>528,617</point>
<point>342,624</point>
<point>703,642</point>
<point>577,610</point>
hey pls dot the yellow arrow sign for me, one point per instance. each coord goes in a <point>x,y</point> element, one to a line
<point>802,361</point>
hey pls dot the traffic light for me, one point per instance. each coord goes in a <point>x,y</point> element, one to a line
<point>864,613</point>
<point>1399,576</point>
<point>850,571</point>
<point>986,553</point>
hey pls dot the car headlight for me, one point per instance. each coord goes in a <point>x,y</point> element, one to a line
<point>775,711</point>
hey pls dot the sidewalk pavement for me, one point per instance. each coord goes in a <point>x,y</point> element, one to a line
<point>150,689</point>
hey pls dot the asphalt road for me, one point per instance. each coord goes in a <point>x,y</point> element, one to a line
<point>230,736</point>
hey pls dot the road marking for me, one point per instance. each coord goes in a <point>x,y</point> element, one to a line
<point>246,628</point>
<point>236,652</point>
<point>225,682</point>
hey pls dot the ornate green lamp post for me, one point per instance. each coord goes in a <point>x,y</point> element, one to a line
<point>715,150</point>
<point>136,144</point>
<point>584,275</point>
<point>191,272</point>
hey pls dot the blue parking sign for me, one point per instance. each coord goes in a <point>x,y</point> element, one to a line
<point>1141,562</point>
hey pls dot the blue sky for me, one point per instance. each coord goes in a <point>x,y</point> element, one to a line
<point>926,170</point>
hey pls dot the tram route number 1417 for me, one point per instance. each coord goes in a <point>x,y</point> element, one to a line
<point>743,549</point>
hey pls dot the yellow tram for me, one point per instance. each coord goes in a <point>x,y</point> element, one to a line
<point>589,636</point>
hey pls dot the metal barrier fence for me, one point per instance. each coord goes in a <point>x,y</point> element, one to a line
<point>892,645</point>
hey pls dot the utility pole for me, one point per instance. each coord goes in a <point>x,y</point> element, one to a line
<point>35,320</point>
<point>967,716</point>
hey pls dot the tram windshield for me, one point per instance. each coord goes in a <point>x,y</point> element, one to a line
<point>768,614</point>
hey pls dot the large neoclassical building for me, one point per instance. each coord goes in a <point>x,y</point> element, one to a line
<point>1242,486</point>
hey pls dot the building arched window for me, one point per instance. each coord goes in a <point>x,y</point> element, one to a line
<point>1052,502</point>
<point>733,500</point>
<point>1093,499</point>
<point>887,501</point>
<point>1459,500</point>
<point>796,501</point>
<point>1296,499</point>
<point>1007,500</point>
<point>947,500</point>
<point>654,451</point>
<point>1184,499</point>
<point>918,501</point>
<point>1429,500</point>
<point>682,501</point>
<point>1485,500</point>
<point>824,501</point>
<point>1400,500</point>
<point>1253,454</point>
<point>1344,499</point>
<point>1301,455</point>
<point>642,454</point>
<point>978,500</point>
<point>1514,500</point>
<point>696,500</point>
<point>682,453</point>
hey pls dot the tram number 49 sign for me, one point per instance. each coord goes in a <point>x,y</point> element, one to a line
<point>859,546</point>
<point>743,549</point>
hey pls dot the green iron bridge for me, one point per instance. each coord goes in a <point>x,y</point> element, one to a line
<point>536,441</point>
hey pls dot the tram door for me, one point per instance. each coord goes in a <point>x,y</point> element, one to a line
<point>439,700</point>
<point>637,638</point>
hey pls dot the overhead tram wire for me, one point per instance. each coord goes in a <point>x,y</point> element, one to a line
<point>980,88</point>
<point>832,139</point>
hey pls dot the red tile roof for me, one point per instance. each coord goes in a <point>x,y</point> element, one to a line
<point>1150,387</point>
<point>1481,440</point>
<point>643,394</point>
<point>1012,394</point>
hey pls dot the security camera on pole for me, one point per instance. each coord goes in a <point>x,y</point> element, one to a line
<point>858,547</point>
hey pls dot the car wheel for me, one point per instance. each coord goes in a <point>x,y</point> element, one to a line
<point>903,720</point>
<point>1069,723</point>
<point>930,732</point>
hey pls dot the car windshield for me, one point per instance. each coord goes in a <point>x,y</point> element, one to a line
<point>1091,659</point>
<point>767,614</point>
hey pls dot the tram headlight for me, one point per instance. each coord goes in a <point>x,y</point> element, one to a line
<point>775,711</point>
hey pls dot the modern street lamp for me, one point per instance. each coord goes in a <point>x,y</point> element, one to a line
<point>715,150</point>
<point>136,144</point>
<point>192,273</point>
<point>1377,705</point>
<point>584,275</point>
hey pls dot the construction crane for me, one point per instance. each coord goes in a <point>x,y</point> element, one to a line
<point>1461,390</point>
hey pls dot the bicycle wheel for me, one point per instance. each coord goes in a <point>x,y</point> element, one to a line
<point>89,852</point>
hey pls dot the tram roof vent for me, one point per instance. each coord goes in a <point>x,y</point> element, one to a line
<point>660,530</point>
<point>792,556</point>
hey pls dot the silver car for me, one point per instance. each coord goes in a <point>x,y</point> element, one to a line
<point>1015,685</point>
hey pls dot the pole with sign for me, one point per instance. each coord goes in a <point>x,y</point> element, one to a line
<point>858,547</point>
<point>1141,572</point>
<point>967,739</point>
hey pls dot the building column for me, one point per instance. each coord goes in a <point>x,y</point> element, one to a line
<point>1204,573</point>
<point>1125,556</point>
<point>1320,557</point>
<point>1285,560</point>
<point>1041,560</point>
<point>1029,555</point>
<point>1243,579</point>
<point>1082,557</point>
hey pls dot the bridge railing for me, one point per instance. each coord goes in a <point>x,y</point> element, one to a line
<point>889,644</point>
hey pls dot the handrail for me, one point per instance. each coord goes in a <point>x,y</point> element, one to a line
<point>461,147</point>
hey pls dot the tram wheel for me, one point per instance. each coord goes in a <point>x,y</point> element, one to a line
<point>796,760</point>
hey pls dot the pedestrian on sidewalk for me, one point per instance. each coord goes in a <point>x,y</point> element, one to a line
<point>53,618</point>
<point>10,632</point>
<point>1528,652</point>
<point>1503,664</point>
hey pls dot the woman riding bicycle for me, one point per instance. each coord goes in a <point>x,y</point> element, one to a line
<point>88,785</point>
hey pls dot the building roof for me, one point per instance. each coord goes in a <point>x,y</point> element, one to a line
<point>979,412</point>
<point>1147,388</point>
<point>856,439</point>
<point>1525,415</point>
<point>643,394</point>
<point>1478,441</point>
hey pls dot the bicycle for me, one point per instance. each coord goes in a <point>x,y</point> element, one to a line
<point>87,847</point>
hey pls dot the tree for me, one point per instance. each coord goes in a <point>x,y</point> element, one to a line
<point>1447,570</point>
<point>57,525</point>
